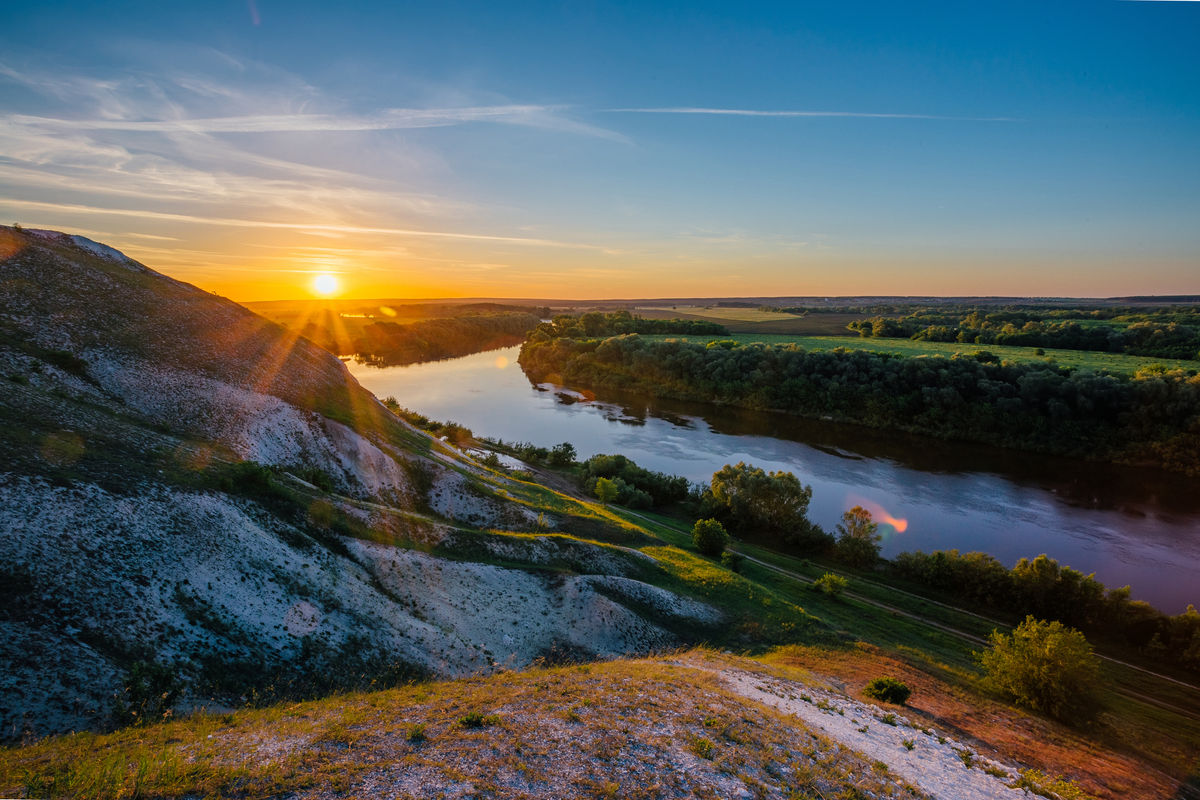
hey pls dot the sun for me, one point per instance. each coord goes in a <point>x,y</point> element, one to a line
<point>325,285</point>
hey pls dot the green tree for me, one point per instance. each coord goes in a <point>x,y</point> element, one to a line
<point>607,490</point>
<point>709,537</point>
<point>774,504</point>
<point>562,455</point>
<point>858,538</point>
<point>1045,666</point>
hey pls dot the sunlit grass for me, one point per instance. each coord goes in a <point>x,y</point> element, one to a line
<point>1075,359</point>
<point>533,729</point>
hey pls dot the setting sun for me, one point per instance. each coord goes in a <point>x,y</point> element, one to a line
<point>325,285</point>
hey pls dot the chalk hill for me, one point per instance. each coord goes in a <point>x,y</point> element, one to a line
<point>189,491</point>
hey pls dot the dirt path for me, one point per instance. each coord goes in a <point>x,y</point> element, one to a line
<point>942,767</point>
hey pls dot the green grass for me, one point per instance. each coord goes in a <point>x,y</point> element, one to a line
<point>753,321</point>
<point>1075,359</point>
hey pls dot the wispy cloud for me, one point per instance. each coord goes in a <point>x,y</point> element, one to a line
<point>748,112</point>
<point>191,166</point>
<point>533,116</point>
<point>295,226</point>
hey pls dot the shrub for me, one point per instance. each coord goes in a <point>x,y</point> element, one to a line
<point>148,695</point>
<point>732,561</point>
<point>888,690</point>
<point>1045,666</point>
<point>831,584</point>
<point>473,719</point>
<point>709,537</point>
<point>702,748</point>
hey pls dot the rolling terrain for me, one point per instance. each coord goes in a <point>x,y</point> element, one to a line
<point>189,487</point>
<point>233,572</point>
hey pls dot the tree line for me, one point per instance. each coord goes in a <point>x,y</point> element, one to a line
<point>1150,418</point>
<point>1046,590</point>
<point>595,324</point>
<point>393,343</point>
<point>1173,333</point>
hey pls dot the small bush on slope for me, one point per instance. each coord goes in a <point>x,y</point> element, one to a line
<point>1045,666</point>
<point>709,537</point>
<point>889,690</point>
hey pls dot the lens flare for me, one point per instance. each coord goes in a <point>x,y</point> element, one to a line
<point>880,514</point>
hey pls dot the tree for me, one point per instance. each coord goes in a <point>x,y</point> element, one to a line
<point>709,537</point>
<point>858,538</point>
<point>1045,666</point>
<point>607,490</point>
<point>562,455</point>
<point>758,502</point>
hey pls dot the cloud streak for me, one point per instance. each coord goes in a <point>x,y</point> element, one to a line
<point>748,112</point>
<point>533,116</point>
<point>295,226</point>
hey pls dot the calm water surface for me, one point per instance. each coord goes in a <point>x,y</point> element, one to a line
<point>1128,526</point>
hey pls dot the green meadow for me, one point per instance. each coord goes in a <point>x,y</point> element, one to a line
<point>1075,359</point>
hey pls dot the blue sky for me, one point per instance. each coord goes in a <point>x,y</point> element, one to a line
<point>615,150</point>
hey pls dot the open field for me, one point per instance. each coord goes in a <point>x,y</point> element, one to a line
<point>722,313</point>
<point>754,321</point>
<point>1075,359</point>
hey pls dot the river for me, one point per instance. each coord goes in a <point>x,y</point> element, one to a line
<point>1127,526</point>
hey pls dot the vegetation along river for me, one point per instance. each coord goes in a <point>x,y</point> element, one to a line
<point>1128,526</point>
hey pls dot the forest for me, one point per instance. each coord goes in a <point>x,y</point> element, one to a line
<point>1172,332</point>
<point>1150,418</point>
<point>385,344</point>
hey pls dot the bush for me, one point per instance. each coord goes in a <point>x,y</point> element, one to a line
<point>1045,666</point>
<point>474,719</point>
<point>149,693</point>
<point>831,584</point>
<point>709,537</point>
<point>732,561</point>
<point>888,690</point>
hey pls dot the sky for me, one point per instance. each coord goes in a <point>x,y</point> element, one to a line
<point>615,150</point>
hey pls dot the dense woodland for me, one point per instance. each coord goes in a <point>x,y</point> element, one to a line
<point>386,344</point>
<point>1152,418</point>
<point>1159,333</point>
<point>616,323</point>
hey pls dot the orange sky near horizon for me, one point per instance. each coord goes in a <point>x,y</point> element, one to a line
<point>252,266</point>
